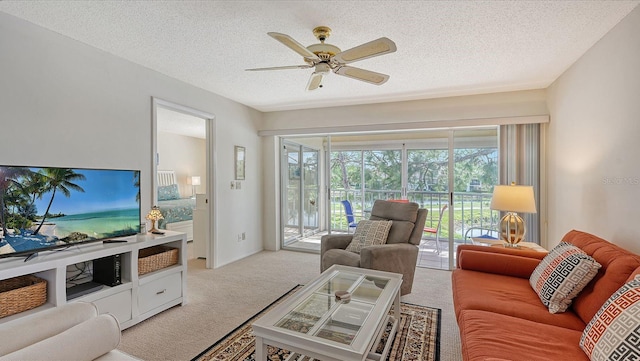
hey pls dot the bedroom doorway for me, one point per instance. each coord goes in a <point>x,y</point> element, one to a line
<point>183,175</point>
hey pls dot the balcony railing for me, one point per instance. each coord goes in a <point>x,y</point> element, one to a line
<point>470,209</point>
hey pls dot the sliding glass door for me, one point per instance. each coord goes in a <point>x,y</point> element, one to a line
<point>475,173</point>
<point>451,173</point>
<point>361,177</point>
<point>300,191</point>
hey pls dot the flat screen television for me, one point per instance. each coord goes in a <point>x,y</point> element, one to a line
<point>47,208</point>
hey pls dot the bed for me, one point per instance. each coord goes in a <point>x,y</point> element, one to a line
<point>177,212</point>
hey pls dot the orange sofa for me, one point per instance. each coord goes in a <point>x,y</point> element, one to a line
<point>501,317</point>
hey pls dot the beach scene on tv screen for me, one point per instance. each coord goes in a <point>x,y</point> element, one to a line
<point>53,207</point>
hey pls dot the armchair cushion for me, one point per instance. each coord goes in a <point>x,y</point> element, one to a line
<point>369,233</point>
<point>403,215</point>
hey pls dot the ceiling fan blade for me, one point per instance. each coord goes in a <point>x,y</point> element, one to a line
<point>282,67</point>
<point>361,74</point>
<point>368,50</point>
<point>294,45</point>
<point>315,81</point>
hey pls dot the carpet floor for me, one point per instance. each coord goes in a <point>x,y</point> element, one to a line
<point>417,339</point>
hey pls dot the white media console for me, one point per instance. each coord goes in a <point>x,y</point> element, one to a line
<point>136,299</point>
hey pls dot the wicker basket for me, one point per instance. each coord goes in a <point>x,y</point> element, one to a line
<point>155,258</point>
<point>21,293</point>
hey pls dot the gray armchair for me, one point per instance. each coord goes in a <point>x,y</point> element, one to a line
<point>398,255</point>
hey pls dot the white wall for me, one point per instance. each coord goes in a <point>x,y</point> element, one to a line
<point>186,156</point>
<point>593,144</point>
<point>63,103</point>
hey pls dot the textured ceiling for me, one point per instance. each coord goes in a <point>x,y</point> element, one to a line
<point>170,121</point>
<point>445,48</point>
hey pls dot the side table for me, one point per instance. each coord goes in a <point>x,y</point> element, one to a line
<point>478,241</point>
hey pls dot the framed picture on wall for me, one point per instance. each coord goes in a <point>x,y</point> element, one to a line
<point>240,154</point>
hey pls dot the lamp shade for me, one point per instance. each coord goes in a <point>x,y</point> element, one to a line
<point>154,214</point>
<point>195,180</point>
<point>513,198</point>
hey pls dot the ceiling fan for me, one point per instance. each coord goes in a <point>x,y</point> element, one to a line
<point>326,57</point>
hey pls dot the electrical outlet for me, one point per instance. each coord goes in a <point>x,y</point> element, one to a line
<point>244,236</point>
<point>238,185</point>
<point>233,185</point>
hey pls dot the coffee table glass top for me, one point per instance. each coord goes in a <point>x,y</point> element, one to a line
<point>321,315</point>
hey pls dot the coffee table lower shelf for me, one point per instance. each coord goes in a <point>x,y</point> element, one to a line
<point>372,356</point>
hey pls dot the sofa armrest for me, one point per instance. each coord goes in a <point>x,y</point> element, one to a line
<point>85,341</point>
<point>497,262</point>
<point>502,250</point>
<point>34,328</point>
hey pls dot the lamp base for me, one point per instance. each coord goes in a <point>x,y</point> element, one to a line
<point>512,229</point>
<point>153,226</point>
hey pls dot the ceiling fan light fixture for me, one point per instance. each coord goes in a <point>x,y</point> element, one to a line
<point>322,68</point>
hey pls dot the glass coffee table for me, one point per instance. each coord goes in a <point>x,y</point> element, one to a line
<point>315,323</point>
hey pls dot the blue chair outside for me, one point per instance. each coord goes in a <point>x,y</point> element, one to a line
<point>348,211</point>
<point>481,232</point>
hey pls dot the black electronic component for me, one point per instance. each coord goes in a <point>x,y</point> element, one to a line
<point>82,289</point>
<point>107,270</point>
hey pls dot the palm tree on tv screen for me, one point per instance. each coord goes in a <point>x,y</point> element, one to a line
<point>8,177</point>
<point>34,185</point>
<point>60,179</point>
<point>136,183</point>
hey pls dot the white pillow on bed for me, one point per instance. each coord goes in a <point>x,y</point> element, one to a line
<point>167,193</point>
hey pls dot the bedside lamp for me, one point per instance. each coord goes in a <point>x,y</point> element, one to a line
<point>154,215</point>
<point>195,181</point>
<point>513,199</point>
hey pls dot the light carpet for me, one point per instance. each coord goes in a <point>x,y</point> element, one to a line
<point>221,299</point>
<point>417,338</point>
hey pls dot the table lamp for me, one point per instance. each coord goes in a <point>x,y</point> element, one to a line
<point>195,181</point>
<point>513,199</point>
<point>154,215</point>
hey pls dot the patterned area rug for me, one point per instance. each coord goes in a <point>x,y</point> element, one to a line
<point>418,338</point>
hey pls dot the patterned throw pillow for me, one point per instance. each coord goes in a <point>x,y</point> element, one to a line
<point>614,332</point>
<point>167,193</point>
<point>369,233</point>
<point>561,275</point>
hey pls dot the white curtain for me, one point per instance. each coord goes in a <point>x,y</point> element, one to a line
<point>520,163</point>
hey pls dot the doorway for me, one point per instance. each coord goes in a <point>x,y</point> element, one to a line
<point>183,174</point>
